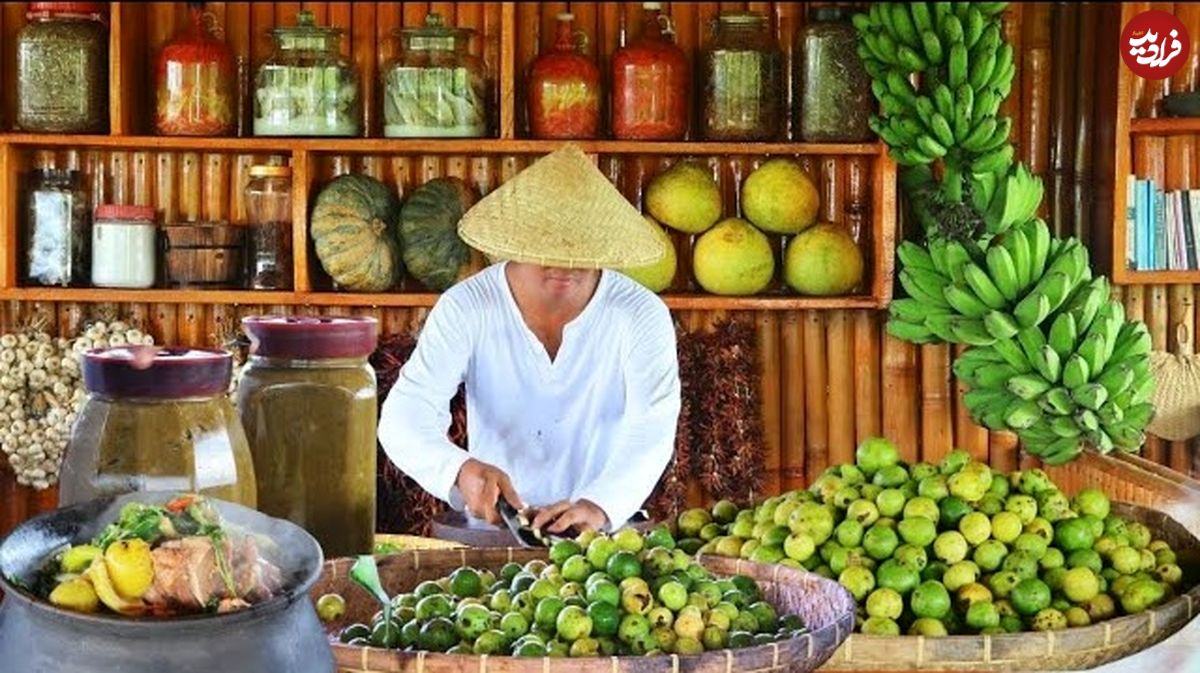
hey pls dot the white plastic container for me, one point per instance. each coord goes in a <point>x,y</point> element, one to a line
<point>124,246</point>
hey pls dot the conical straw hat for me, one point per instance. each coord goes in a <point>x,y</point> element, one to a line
<point>561,212</point>
<point>1176,396</point>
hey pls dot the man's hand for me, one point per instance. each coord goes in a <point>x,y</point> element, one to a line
<point>482,485</point>
<point>582,514</point>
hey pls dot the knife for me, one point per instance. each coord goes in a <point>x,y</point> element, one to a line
<point>518,524</point>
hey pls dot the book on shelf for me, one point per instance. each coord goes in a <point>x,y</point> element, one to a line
<point>1162,228</point>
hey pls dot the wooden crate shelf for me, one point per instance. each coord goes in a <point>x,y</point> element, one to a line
<point>1164,125</point>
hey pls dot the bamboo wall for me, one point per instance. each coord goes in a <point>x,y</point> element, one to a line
<point>829,378</point>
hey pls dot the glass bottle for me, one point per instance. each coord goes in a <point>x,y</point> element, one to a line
<point>434,88</point>
<point>195,75</point>
<point>833,89</point>
<point>564,87</point>
<point>57,232</point>
<point>306,88</point>
<point>743,80</point>
<point>62,68</point>
<point>269,206</point>
<point>651,82</point>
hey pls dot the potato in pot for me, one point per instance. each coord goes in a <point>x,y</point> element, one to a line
<point>76,594</point>
<point>131,567</point>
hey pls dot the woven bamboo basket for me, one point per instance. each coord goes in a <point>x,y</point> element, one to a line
<point>827,610</point>
<point>1163,500</point>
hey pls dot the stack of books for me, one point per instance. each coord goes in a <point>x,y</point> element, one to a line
<point>1162,228</point>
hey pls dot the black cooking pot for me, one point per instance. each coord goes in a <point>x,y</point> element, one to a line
<point>281,634</point>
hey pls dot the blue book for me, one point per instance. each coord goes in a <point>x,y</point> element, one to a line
<point>1160,230</point>
<point>1142,217</point>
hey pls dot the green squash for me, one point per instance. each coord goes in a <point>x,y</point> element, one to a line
<point>352,227</point>
<point>433,252</point>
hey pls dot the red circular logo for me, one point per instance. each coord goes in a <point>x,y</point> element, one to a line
<point>1155,44</point>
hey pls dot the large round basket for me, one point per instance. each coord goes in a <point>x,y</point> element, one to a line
<point>827,610</point>
<point>1070,649</point>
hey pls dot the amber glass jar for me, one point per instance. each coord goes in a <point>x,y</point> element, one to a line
<point>195,76</point>
<point>564,87</point>
<point>307,400</point>
<point>833,89</point>
<point>62,68</point>
<point>434,88</point>
<point>651,83</point>
<point>743,80</point>
<point>168,427</point>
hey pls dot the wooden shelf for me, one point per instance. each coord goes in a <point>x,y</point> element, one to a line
<point>704,302</point>
<point>1131,277</point>
<point>1164,125</point>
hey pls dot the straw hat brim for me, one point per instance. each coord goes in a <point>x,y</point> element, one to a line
<point>561,212</point>
<point>1176,396</point>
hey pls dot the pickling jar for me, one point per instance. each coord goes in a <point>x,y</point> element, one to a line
<point>833,89</point>
<point>62,68</point>
<point>742,70</point>
<point>651,82</point>
<point>195,81</point>
<point>167,427</point>
<point>307,399</point>
<point>434,88</point>
<point>564,87</point>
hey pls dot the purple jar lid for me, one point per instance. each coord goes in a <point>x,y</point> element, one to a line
<point>311,337</point>
<point>175,373</point>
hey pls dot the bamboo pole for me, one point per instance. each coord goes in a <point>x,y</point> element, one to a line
<point>816,380</point>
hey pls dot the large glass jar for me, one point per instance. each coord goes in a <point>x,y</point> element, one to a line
<point>306,88</point>
<point>307,400</point>
<point>651,83</point>
<point>434,88</point>
<point>166,427</point>
<point>564,87</point>
<point>743,80</point>
<point>833,89</point>
<point>57,232</point>
<point>269,206</point>
<point>62,68</point>
<point>195,81</point>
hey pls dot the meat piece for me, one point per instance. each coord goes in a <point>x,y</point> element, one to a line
<point>187,578</point>
<point>256,578</point>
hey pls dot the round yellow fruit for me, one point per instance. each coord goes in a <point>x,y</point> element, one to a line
<point>733,258</point>
<point>823,260</point>
<point>685,197</point>
<point>657,277</point>
<point>780,198</point>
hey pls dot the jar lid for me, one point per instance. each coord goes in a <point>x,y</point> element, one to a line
<point>435,26</point>
<point>68,8</point>
<point>56,174</point>
<point>270,171</point>
<point>652,6</point>
<point>306,26</point>
<point>742,18</point>
<point>175,373</point>
<point>311,337</point>
<point>117,211</point>
<point>829,13</point>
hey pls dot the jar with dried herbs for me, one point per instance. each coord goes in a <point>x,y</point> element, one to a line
<point>269,206</point>
<point>306,88</point>
<point>743,80</point>
<point>651,82</point>
<point>62,68</point>
<point>57,229</point>
<point>307,399</point>
<point>166,427</point>
<point>564,87</point>
<point>434,88</point>
<point>833,88</point>
<point>196,81</point>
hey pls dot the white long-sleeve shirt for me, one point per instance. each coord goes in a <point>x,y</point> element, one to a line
<point>597,423</point>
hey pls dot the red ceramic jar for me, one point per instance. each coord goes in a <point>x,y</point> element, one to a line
<point>564,88</point>
<point>650,83</point>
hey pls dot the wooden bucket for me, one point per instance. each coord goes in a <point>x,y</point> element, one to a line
<point>1163,500</point>
<point>827,610</point>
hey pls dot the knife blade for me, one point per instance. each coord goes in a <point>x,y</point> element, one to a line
<point>512,520</point>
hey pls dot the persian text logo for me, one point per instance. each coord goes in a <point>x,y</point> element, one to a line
<point>1155,44</point>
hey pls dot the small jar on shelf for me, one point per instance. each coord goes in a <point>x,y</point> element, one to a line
<point>564,87</point>
<point>833,89</point>
<point>269,206</point>
<point>124,246</point>
<point>195,81</point>
<point>434,88</point>
<point>743,80</point>
<point>62,68</point>
<point>306,88</point>
<point>57,232</point>
<point>651,82</point>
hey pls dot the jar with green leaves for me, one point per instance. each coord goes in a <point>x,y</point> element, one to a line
<point>742,68</point>
<point>434,88</point>
<point>62,68</point>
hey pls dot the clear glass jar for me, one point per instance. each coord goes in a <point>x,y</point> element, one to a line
<point>124,246</point>
<point>307,399</point>
<point>743,80</point>
<point>57,232</point>
<point>62,68</point>
<point>195,76</point>
<point>306,88</point>
<point>269,206</point>
<point>168,427</point>
<point>651,83</point>
<point>564,87</point>
<point>434,88</point>
<point>833,89</point>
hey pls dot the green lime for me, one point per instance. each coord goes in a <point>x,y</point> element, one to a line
<point>951,546</point>
<point>975,527</point>
<point>1052,558</point>
<point>930,599</point>
<point>890,502</point>
<point>623,564</point>
<point>918,530</point>
<point>891,476</point>
<point>1080,585</point>
<point>1048,619</point>
<point>1030,596</point>
<point>466,583</point>
<point>331,607</point>
<point>912,556</point>
<point>927,627</point>
<point>437,635</point>
<point>1085,558</point>
<point>885,602</point>
<point>933,487</point>
<point>472,620</point>
<point>1022,563</point>
<point>880,542</point>
<point>1093,502</point>
<point>437,605</point>
<point>1073,534</point>
<point>385,634</point>
<point>880,626</point>
<point>952,509</point>
<point>1053,505</point>
<point>982,615</point>
<point>724,512</point>
<point>1002,583</point>
<point>858,581</point>
<point>564,549</point>
<point>874,454</point>
<point>427,588</point>
<point>848,533</point>
<point>1006,526</point>
<point>545,615</point>
<point>960,574</point>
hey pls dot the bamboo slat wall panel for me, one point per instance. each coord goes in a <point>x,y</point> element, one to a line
<point>829,378</point>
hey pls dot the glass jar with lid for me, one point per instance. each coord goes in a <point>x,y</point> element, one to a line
<point>124,246</point>
<point>651,82</point>
<point>307,399</point>
<point>269,206</point>
<point>195,76</point>
<point>62,68</point>
<point>434,88</point>
<point>564,87</point>
<point>306,88</point>
<point>57,229</point>
<point>743,80</point>
<point>166,427</point>
<point>833,88</point>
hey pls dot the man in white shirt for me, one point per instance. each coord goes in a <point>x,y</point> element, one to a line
<point>570,368</point>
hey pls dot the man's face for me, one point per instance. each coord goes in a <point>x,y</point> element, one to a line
<point>556,281</point>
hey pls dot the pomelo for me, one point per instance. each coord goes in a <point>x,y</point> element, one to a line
<point>656,277</point>
<point>823,260</point>
<point>685,197</point>
<point>780,198</point>
<point>733,258</point>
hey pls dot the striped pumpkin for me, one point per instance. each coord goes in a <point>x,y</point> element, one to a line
<point>353,227</point>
